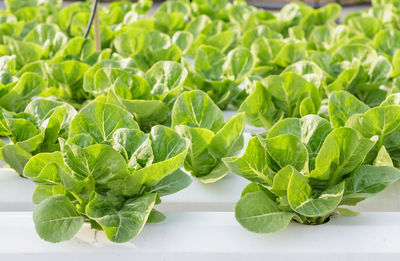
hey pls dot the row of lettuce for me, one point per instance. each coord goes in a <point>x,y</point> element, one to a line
<point>105,134</point>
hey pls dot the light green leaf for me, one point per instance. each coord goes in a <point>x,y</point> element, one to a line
<point>301,200</point>
<point>239,63</point>
<point>281,180</point>
<point>28,86</point>
<point>369,26</point>
<point>387,41</point>
<point>218,172</point>
<point>147,112</point>
<point>396,64</point>
<point>182,39</point>
<point>41,108</point>
<point>309,70</point>
<point>342,105</point>
<point>310,129</point>
<point>259,109</point>
<point>100,121</point>
<point>56,219</point>
<point>198,161</point>
<point>132,41</point>
<point>290,53</point>
<point>155,216</point>
<point>228,141</point>
<point>197,24</point>
<point>43,192</point>
<point>169,151</point>
<point>172,183</point>
<point>121,225</point>
<point>209,62</point>
<point>222,40</point>
<point>256,212</point>
<point>380,121</point>
<point>26,52</point>
<point>15,156</point>
<point>100,161</point>
<point>383,158</point>
<point>196,109</point>
<point>166,76</point>
<point>88,79</point>
<point>127,141</point>
<point>288,90</point>
<point>40,170</point>
<point>261,31</point>
<point>286,150</point>
<point>68,72</point>
<point>369,180</point>
<point>21,129</point>
<point>253,165</point>
<point>343,150</point>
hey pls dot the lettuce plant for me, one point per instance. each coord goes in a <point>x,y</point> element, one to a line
<point>113,187</point>
<point>146,47</point>
<point>49,36</point>
<point>304,170</point>
<point>387,42</point>
<point>222,35</point>
<point>273,55</point>
<point>357,69</point>
<point>35,130</point>
<point>220,75</point>
<point>20,93</point>
<point>196,117</point>
<point>328,38</point>
<point>383,121</point>
<point>26,52</point>
<point>148,97</point>
<point>280,96</point>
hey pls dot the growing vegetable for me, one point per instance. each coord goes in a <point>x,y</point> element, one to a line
<point>196,117</point>
<point>114,187</point>
<point>304,171</point>
<point>220,75</point>
<point>35,130</point>
<point>280,96</point>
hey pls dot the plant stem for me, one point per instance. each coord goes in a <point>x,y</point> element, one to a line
<point>317,220</point>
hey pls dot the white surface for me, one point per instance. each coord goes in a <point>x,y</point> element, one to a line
<point>15,192</point>
<point>213,236</point>
<point>386,201</point>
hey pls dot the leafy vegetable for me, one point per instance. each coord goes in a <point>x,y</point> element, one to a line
<point>36,130</point>
<point>275,97</point>
<point>196,117</point>
<point>114,188</point>
<point>304,170</point>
